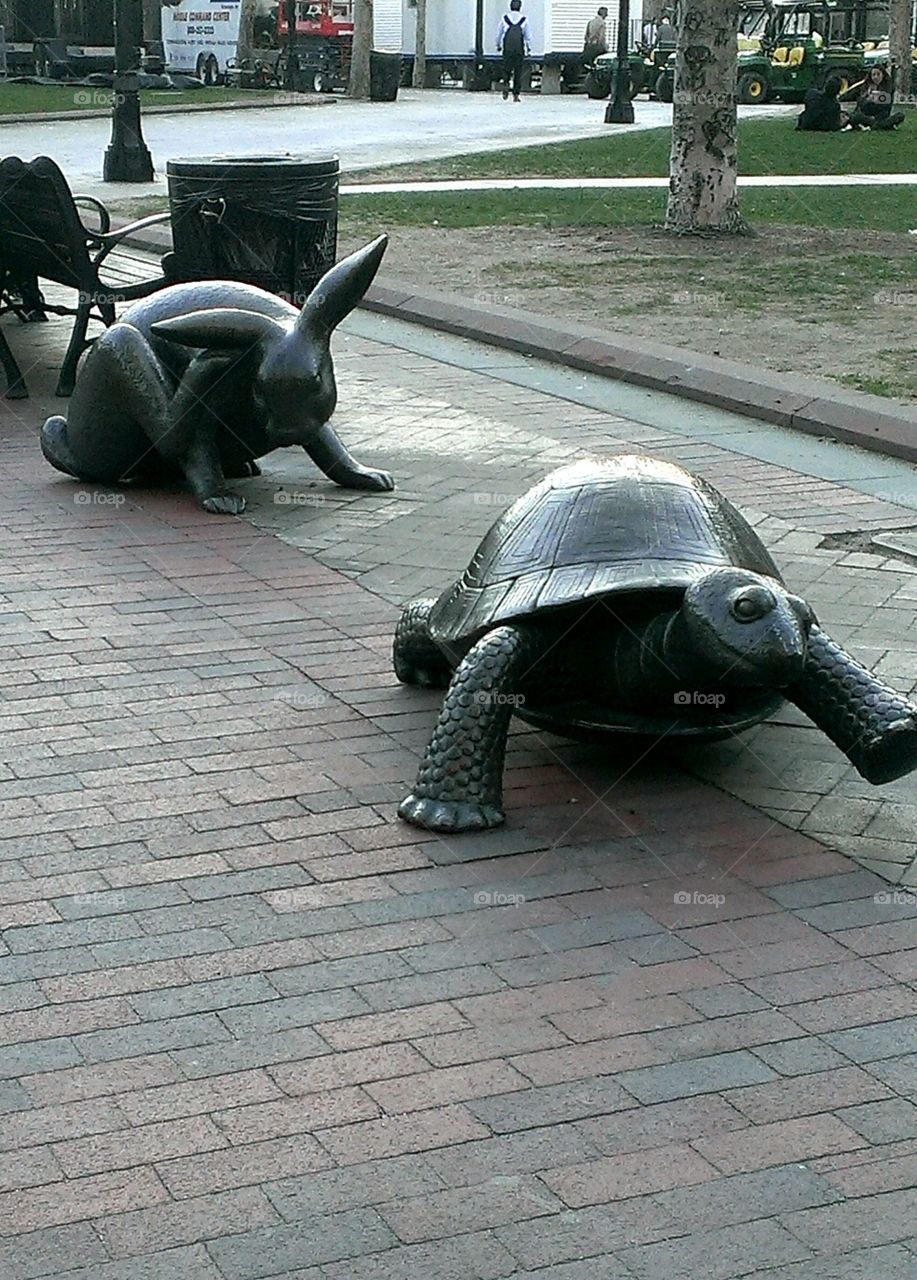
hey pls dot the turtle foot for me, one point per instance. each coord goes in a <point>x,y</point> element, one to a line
<point>366,478</point>
<point>224,504</point>
<point>890,756</point>
<point>449,815</point>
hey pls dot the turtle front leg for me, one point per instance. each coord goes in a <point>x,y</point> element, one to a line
<point>459,785</point>
<point>328,452</point>
<point>872,724</point>
<point>417,660</point>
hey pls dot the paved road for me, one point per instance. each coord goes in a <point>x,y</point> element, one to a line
<point>419,126</point>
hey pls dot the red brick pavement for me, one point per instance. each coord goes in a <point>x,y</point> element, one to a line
<point>251,1026</point>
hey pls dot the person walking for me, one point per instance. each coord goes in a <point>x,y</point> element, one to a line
<point>596,40</point>
<point>514,44</point>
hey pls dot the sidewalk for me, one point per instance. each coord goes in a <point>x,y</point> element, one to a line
<point>252,1026</point>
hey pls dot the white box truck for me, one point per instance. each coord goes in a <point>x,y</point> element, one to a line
<point>462,35</point>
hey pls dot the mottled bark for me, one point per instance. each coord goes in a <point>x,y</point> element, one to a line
<point>901,27</point>
<point>152,21</point>
<point>420,45</point>
<point>247,28</point>
<point>361,49</point>
<point>702,186</point>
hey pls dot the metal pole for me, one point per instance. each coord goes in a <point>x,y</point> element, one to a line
<point>479,74</point>
<point>621,110</point>
<point>127,158</point>
<point>289,80</point>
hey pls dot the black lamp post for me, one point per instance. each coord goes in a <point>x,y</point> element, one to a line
<point>480,78</point>
<point>289,80</point>
<point>127,158</point>
<point>621,110</point>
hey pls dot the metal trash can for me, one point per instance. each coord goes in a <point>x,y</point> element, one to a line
<point>266,220</point>
<point>384,76</point>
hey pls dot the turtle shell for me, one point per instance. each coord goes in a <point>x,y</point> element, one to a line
<point>597,528</point>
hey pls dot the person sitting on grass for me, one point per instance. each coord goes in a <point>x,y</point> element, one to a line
<point>874,102</point>
<point>822,111</point>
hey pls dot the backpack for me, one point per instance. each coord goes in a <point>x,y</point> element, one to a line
<point>513,41</point>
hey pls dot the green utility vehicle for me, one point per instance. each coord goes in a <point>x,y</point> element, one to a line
<point>789,46</point>
<point>646,66</point>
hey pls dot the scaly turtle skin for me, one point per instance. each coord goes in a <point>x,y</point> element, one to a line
<point>625,596</point>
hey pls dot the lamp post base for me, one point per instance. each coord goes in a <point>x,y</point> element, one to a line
<point>127,164</point>
<point>619,112</point>
<point>127,158</point>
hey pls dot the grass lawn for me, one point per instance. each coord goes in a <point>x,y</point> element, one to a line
<point>29,99</point>
<point>765,146</point>
<point>881,209</point>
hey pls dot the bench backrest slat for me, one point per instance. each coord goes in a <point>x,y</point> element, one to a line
<point>40,229</point>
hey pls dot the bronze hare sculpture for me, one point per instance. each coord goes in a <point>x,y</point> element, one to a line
<point>625,596</point>
<point>201,379</point>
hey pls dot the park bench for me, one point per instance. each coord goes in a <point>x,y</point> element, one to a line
<point>43,237</point>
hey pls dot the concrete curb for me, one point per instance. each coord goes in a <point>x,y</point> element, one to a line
<point>103,113</point>
<point>814,406</point>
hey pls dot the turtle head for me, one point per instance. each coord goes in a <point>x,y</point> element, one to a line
<point>747,628</point>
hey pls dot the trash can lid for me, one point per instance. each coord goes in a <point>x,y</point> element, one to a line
<point>314,164</point>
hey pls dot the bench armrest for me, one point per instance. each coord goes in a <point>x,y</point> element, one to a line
<point>110,240</point>
<point>104,215</point>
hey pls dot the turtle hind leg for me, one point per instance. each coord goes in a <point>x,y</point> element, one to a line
<point>459,785</point>
<point>56,449</point>
<point>872,724</point>
<point>416,658</point>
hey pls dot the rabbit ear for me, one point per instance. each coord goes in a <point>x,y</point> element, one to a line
<point>219,329</point>
<point>340,289</point>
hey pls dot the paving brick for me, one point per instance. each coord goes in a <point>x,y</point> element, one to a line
<point>893,1120</point>
<point>494,1040</point>
<point>255,1162</point>
<point>144,949</point>
<point>58,1203</point>
<point>871,1175</point>
<point>253,1051</point>
<point>552,1104</point>
<point>295,1115</point>
<point>115,902</point>
<point>806,1095</point>
<point>169,1264</point>
<point>401,1135</point>
<point>620,1017</point>
<point>746,1196</point>
<point>474,1256</point>
<point>331,1071</point>
<point>203,997</point>
<point>35,1056</point>
<point>53,1249</point>
<point>29,1168</point>
<point>136,1146</point>
<point>151,1038</point>
<point>587,1233</point>
<point>509,1154</point>
<point>854,1224</point>
<point>741,1030</point>
<point>874,1041</point>
<point>663,1123</point>
<point>782,1142</point>
<point>50,1124</point>
<point>717,1255</point>
<point>619,1177</point>
<point>358,1186</point>
<point>701,1075</point>
<point>189,1222</point>
<point>273,1251</point>
<point>329,974</point>
<point>428,988</point>
<point>286,1012</point>
<point>891,1262</point>
<point>384,937</point>
<point>800,1057</point>
<point>56,1021</point>
<point>143,1106</point>
<point>445,1213</point>
<point>401,1024</point>
<point>449,1084</point>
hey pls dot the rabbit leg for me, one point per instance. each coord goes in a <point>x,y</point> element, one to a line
<point>191,440</point>
<point>329,455</point>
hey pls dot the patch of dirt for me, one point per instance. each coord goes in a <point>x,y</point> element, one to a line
<point>837,304</point>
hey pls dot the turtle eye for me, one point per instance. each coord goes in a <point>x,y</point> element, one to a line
<point>752,603</point>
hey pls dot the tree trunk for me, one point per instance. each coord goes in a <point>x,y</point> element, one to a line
<point>901,26</point>
<point>418,80</point>
<point>247,28</point>
<point>702,167</point>
<point>361,49</point>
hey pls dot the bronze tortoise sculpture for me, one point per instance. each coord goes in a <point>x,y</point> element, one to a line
<point>625,596</point>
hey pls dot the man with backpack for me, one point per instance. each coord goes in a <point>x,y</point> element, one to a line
<point>514,44</point>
